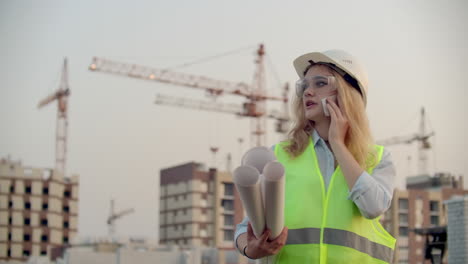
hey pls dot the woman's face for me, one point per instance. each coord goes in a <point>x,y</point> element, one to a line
<point>311,98</point>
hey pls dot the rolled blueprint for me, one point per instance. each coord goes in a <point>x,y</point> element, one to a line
<point>246,179</point>
<point>258,157</point>
<point>260,182</point>
<point>273,188</point>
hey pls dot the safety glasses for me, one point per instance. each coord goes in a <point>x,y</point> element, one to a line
<point>322,85</point>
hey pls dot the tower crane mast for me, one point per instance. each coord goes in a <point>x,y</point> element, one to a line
<point>61,96</point>
<point>113,216</point>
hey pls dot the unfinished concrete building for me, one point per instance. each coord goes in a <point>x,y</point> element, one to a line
<point>38,210</point>
<point>198,207</point>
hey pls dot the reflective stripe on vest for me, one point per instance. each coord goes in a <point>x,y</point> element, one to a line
<point>339,238</point>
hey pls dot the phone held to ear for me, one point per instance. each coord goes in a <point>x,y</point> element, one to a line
<point>324,104</point>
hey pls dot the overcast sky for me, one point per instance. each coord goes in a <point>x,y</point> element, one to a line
<point>119,140</point>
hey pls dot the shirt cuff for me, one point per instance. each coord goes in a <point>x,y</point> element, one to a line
<point>362,185</point>
<point>240,231</point>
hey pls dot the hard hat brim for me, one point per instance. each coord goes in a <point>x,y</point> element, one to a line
<point>302,62</point>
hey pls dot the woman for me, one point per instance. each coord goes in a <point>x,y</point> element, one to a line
<point>338,183</point>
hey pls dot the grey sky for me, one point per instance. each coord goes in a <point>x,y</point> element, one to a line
<point>415,53</point>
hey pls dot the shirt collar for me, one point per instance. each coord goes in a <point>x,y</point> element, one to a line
<point>316,138</point>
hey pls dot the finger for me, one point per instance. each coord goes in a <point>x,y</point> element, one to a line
<point>282,236</point>
<point>335,108</point>
<point>281,239</point>
<point>332,112</point>
<point>250,233</point>
<point>340,114</point>
<point>265,235</point>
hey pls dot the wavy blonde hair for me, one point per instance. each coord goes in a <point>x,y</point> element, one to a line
<point>358,139</point>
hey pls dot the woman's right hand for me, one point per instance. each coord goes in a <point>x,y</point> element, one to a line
<point>262,246</point>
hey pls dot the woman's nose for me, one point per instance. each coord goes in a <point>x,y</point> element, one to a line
<point>309,92</point>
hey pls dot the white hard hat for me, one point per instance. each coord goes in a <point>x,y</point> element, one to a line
<point>341,61</point>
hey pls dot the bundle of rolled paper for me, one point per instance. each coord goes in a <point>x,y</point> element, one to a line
<point>260,182</point>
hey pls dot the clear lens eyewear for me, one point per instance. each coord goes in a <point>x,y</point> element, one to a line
<point>322,85</point>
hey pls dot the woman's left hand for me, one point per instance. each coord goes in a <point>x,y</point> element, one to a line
<point>339,125</point>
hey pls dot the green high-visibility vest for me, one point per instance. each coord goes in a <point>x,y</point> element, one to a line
<point>324,225</point>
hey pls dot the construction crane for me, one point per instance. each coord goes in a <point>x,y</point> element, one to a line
<point>254,107</point>
<point>113,216</point>
<point>61,96</point>
<point>421,137</point>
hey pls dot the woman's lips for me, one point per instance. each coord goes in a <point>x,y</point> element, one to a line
<point>310,104</point>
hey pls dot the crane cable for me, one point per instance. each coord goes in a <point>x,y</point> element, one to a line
<point>274,71</point>
<point>209,58</point>
<point>434,156</point>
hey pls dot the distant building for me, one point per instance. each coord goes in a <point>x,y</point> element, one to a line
<point>420,206</point>
<point>125,251</point>
<point>457,209</point>
<point>198,208</point>
<point>38,210</point>
<point>130,251</point>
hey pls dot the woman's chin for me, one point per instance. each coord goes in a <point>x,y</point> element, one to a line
<point>316,117</point>
<point>312,115</point>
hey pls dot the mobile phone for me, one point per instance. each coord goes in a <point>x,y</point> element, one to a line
<point>324,104</point>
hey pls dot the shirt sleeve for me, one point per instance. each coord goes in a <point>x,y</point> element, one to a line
<point>372,193</point>
<point>240,229</point>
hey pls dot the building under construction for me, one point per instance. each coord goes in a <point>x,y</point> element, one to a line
<point>38,210</point>
<point>198,208</point>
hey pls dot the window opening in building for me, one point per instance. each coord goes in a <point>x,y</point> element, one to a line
<point>229,189</point>
<point>227,205</point>
<point>403,231</point>
<point>228,235</point>
<point>434,206</point>
<point>403,204</point>
<point>45,190</point>
<point>228,220</point>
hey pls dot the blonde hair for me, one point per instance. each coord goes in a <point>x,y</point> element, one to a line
<point>358,139</point>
